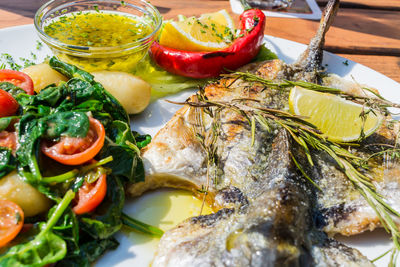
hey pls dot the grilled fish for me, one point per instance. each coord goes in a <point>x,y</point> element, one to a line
<point>266,210</point>
<point>271,227</point>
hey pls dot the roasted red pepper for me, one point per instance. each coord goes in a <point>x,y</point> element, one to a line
<point>211,64</point>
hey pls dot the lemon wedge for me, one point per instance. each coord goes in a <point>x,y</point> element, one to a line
<point>209,32</point>
<point>337,118</point>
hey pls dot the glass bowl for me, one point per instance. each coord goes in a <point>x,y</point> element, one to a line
<point>121,57</point>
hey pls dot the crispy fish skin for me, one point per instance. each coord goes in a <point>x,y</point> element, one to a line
<point>275,228</point>
<point>343,209</point>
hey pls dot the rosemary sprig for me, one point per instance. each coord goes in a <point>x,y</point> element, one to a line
<point>208,140</point>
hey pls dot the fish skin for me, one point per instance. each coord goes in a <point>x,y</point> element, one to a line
<point>344,210</point>
<point>275,228</point>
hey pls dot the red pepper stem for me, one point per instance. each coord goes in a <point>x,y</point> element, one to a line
<point>245,5</point>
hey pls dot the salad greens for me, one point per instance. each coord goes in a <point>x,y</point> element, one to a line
<point>63,237</point>
<point>162,82</point>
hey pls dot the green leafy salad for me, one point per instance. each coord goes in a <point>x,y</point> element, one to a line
<point>74,231</point>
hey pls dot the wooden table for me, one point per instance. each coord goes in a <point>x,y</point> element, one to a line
<point>366,31</point>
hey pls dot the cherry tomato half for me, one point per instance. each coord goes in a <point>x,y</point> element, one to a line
<point>19,79</point>
<point>11,221</point>
<point>76,150</point>
<point>90,195</point>
<point>8,105</point>
<point>8,140</point>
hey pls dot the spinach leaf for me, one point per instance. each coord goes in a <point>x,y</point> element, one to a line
<point>69,70</point>
<point>72,124</point>
<point>15,91</point>
<point>120,133</point>
<point>107,219</point>
<point>89,105</point>
<point>79,84</point>
<point>45,248</point>
<point>121,145</point>
<point>31,129</point>
<point>141,140</point>
<point>126,162</point>
<point>68,229</point>
<point>88,253</point>
<point>7,161</point>
<point>50,96</point>
<point>83,248</point>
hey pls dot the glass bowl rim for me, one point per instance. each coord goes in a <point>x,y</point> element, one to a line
<point>138,44</point>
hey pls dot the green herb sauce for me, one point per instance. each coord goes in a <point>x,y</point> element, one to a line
<point>97,29</point>
<point>101,29</point>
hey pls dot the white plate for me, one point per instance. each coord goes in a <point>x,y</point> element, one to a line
<point>22,40</point>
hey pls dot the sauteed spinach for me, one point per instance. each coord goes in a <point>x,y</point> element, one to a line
<point>62,237</point>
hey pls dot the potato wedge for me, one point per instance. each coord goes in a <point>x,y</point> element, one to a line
<point>43,75</point>
<point>132,92</point>
<point>32,202</point>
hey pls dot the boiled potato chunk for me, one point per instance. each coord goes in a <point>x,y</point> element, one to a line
<point>132,92</point>
<point>43,75</point>
<point>32,202</point>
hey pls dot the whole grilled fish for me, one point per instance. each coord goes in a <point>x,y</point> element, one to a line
<point>266,208</point>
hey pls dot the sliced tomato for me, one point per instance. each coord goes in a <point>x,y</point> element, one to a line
<point>11,221</point>
<point>90,195</point>
<point>8,105</point>
<point>19,79</point>
<point>76,150</point>
<point>8,140</point>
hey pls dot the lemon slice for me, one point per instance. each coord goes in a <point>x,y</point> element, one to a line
<point>209,32</point>
<point>337,118</point>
